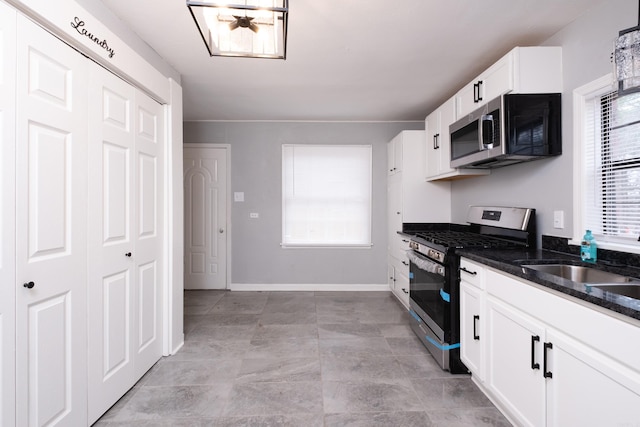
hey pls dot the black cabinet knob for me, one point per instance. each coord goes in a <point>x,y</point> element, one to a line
<point>128,254</point>
<point>29,285</point>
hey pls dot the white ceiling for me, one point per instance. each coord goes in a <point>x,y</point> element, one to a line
<point>348,60</point>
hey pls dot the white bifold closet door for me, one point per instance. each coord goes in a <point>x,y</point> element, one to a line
<point>7,214</point>
<point>51,247</point>
<point>126,137</point>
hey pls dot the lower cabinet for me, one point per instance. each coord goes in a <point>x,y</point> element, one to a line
<point>547,360</point>
<point>399,278</point>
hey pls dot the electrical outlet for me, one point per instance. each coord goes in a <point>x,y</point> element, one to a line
<point>254,215</point>
<point>558,219</point>
<point>238,196</point>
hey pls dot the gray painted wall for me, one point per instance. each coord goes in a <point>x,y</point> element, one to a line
<point>257,257</point>
<point>547,184</point>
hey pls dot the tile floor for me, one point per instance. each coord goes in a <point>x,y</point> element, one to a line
<point>300,359</point>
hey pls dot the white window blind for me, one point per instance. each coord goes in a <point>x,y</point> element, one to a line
<point>326,195</point>
<point>612,167</point>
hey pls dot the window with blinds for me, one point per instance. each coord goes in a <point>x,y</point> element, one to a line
<point>612,157</point>
<point>326,195</point>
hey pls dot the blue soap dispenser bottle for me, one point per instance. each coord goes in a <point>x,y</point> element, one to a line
<point>588,248</point>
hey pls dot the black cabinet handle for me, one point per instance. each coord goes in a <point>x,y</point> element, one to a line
<point>29,285</point>
<point>475,93</point>
<point>128,254</point>
<point>480,83</point>
<point>473,273</point>
<point>475,333</point>
<point>534,339</point>
<point>547,374</point>
<point>405,263</point>
<point>405,291</point>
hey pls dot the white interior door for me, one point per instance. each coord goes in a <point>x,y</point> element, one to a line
<point>148,239</point>
<point>111,268</point>
<point>51,170</point>
<point>7,214</point>
<point>205,218</point>
<point>126,139</point>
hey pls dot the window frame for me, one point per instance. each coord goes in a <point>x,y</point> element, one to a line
<point>582,96</point>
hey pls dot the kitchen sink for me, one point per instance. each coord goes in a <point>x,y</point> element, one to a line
<point>582,274</point>
<point>631,290</point>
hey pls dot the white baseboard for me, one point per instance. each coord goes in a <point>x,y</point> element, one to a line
<point>307,287</point>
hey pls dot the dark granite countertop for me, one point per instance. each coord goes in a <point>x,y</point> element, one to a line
<point>511,262</point>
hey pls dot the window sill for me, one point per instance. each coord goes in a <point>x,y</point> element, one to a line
<point>320,246</point>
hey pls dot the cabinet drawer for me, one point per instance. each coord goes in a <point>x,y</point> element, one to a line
<point>472,273</point>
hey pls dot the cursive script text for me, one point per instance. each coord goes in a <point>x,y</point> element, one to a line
<point>78,25</point>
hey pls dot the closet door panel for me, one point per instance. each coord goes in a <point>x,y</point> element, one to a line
<point>51,168</point>
<point>7,214</point>
<point>149,145</point>
<point>111,266</point>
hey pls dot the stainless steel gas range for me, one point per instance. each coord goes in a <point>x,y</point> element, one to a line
<point>434,280</point>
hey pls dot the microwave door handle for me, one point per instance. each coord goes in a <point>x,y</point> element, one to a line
<point>486,141</point>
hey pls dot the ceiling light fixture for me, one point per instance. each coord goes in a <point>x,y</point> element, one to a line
<point>627,59</point>
<point>255,29</point>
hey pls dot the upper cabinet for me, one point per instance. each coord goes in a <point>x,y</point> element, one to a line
<point>438,142</point>
<point>535,69</point>
<point>394,156</point>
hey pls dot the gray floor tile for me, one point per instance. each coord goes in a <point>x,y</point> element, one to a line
<point>292,347</point>
<point>446,393</point>
<point>361,368</point>
<point>156,403</point>
<point>279,370</point>
<point>275,398</point>
<point>208,349</point>
<point>299,318</point>
<point>378,419</point>
<point>474,417</point>
<point>347,330</point>
<point>355,346</point>
<point>292,420</point>
<point>309,359</point>
<point>269,332</point>
<point>194,372</point>
<point>368,396</point>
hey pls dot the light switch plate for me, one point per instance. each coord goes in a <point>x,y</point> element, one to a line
<point>558,219</point>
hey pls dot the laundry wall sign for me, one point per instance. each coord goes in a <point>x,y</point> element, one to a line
<point>79,25</point>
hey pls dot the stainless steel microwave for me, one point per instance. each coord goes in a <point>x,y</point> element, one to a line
<point>509,129</point>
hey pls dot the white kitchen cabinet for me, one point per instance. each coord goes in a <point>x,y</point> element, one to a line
<point>398,270</point>
<point>438,153</point>
<point>536,69</point>
<point>549,359</point>
<point>410,200</point>
<point>394,156</point>
<point>472,318</point>
<point>514,346</point>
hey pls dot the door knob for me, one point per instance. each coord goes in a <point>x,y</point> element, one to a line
<point>29,285</point>
<point>221,230</point>
<point>128,254</point>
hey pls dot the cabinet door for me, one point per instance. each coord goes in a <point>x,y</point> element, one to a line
<point>588,388</point>
<point>394,207</point>
<point>432,125</point>
<point>467,99</point>
<point>394,155</point>
<point>390,158</point>
<point>511,375</point>
<point>472,331</point>
<point>7,214</point>
<point>498,79</point>
<point>51,165</point>
<point>447,114</point>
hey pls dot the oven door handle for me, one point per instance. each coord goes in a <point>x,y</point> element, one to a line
<point>425,264</point>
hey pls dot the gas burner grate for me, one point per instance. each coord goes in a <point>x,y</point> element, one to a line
<point>465,239</point>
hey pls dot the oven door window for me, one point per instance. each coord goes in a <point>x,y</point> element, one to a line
<point>427,289</point>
